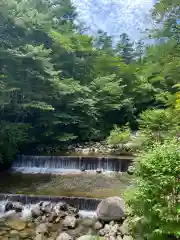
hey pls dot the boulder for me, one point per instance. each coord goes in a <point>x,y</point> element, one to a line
<point>46,207</point>
<point>36,211</point>
<point>105,230</point>
<point>16,224</point>
<point>131,170</point>
<point>112,208</point>
<point>8,206</point>
<point>27,233</point>
<point>113,230</point>
<point>69,222</point>
<point>64,236</point>
<point>18,207</point>
<point>39,237</point>
<point>14,233</point>
<point>98,170</point>
<point>52,217</point>
<point>42,229</point>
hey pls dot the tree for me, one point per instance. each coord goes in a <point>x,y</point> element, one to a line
<point>124,48</point>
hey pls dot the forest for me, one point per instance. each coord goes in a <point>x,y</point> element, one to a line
<point>61,86</point>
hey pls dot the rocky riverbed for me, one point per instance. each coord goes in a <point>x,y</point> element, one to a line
<point>78,185</point>
<point>59,221</point>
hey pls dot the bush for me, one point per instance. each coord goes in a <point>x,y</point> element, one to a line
<point>119,136</point>
<point>154,201</point>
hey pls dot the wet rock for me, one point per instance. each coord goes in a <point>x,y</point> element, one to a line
<point>42,229</point>
<point>27,233</point>
<point>46,207</point>
<point>131,170</point>
<point>112,208</point>
<point>16,224</point>
<point>4,238</point>
<point>64,236</point>
<point>2,233</point>
<point>36,211</point>
<point>13,233</point>
<point>72,210</point>
<point>17,206</point>
<point>127,237</point>
<point>62,214</point>
<point>113,230</point>
<point>63,206</point>
<point>8,206</point>
<point>105,230</point>
<point>98,170</point>
<point>119,238</point>
<point>98,226</point>
<point>39,237</point>
<point>69,222</point>
<point>52,217</point>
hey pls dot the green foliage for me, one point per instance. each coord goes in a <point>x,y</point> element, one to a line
<point>71,87</point>
<point>119,136</point>
<point>155,200</point>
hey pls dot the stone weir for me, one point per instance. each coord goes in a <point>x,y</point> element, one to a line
<point>66,164</point>
<point>88,204</point>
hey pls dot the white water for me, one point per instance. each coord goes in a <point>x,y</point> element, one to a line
<point>66,164</point>
<point>26,214</point>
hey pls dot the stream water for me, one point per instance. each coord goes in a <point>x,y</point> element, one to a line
<point>68,164</point>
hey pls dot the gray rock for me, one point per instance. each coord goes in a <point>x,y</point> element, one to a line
<point>98,170</point>
<point>39,237</point>
<point>105,230</point>
<point>8,206</point>
<point>46,207</point>
<point>69,222</point>
<point>36,211</point>
<point>14,233</point>
<point>127,237</point>
<point>131,170</point>
<point>98,226</point>
<point>52,217</point>
<point>64,236</point>
<point>42,229</point>
<point>113,230</point>
<point>119,238</point>
<point>112,208</point>
<point>18,207</point>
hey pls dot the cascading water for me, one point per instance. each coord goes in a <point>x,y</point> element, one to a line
<point>86,206</point>
<point>67,164</point>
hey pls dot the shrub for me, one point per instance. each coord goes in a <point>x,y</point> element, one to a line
<point>119,136</point>
<point>154,201</point>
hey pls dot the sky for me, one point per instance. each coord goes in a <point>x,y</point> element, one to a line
<point>116,16</point>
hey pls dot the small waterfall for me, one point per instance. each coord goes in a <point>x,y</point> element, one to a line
<point>88,204</point>
<point>67,164</point>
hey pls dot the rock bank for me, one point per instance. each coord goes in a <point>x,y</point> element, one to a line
<point>59,221</point>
